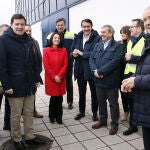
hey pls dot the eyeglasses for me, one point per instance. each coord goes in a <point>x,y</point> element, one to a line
<point>133,27</point>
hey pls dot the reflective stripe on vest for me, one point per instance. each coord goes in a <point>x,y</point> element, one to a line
<point>136,50</point>
<point>68,35</point>
<point>0,83</point>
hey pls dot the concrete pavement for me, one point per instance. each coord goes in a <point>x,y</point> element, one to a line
<point>77,135</point>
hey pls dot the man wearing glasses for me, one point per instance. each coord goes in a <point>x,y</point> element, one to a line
<point>134,49</point>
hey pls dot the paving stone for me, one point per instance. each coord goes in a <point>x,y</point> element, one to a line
<point>59,131</point>
<point>86,135</point>
<point>137,143</point>
<point>77,128</point>
<point>74,146</point>
<point>65,140</point>
<point>111,139</point>
<point>122,146</point>
<point>93,144</point>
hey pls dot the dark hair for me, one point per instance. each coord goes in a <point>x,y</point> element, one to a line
<point>17,16</point>
<point>28,25</point>
<point>88,21</point>
<point>126,30</point>
<point>140,23</point>
<point>61,19</point>
<point>50,41</point>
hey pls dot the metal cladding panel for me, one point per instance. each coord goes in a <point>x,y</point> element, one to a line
<point>49,25</point>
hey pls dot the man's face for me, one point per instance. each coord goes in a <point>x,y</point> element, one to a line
<point>146,19</point>
<point>134,29</point>
<point>60,26</point>
<point>105,34</point>
<point>28,30</point>
<point>18,26</point>
<point>86,28</point>
<point>3,29</point>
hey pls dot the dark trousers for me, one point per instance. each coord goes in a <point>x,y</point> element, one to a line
<point>69,85</point>
<point>146,138</point>
<point>7,113</point>
<point>55,107</point>
<point>1,97</point>
<point>124,102</point>
<point>82,86</point>
<point>112,96</point>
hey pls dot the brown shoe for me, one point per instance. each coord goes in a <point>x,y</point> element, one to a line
<point>99,125</point>
<point>37,115</point>
<point>113,131</point>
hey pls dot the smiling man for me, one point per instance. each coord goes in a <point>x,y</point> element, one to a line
<point>83,45</point>
<point>19,76</point>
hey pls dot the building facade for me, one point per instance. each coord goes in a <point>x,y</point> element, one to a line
<point>46,12</point>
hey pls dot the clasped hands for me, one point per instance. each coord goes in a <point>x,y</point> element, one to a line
<point>128,84</point>
<point>77,53</point>
<point>57,79</point>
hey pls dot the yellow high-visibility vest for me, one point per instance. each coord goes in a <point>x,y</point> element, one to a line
<point>0,83</point>
<point>67,35</point>
<point>136,50</point>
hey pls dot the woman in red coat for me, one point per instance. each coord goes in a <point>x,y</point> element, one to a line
<point>55,62</point>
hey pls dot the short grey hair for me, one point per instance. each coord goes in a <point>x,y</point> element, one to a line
<point>110,28</point>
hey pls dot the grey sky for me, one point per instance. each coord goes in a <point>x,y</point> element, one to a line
<point>7,9</point>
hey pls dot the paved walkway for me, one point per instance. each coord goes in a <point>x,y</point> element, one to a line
<point>77,135</point>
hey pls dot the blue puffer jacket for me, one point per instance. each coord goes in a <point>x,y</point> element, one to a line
<point>18,64</point>
<point>107,63</point>
<point>141,111</point>
<point>82,62</point>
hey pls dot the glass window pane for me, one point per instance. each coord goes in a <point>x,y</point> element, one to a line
<point>52,6</point>
<point>60,4</point>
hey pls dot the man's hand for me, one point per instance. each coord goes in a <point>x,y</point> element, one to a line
<point>97,75</point>
<point>128,84</point>
<point>127,56</point>
<point>10,91</point>
<point>37,84</point>
<point>75,53</point>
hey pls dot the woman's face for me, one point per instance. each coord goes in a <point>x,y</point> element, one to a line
<point>124,36</point>
<point>56,40</point>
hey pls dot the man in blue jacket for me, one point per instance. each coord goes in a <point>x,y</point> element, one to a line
<point>82,47</point>
<point>104,64</point>
<point>19,76</point>
<point>139,84</point>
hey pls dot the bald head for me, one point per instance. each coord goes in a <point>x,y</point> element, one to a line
<point>3,28</point>
<point>146,19</point>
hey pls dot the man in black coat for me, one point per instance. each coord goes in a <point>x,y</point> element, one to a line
<point>28,30</point>
<point>82,47</point>
<point>19,76</point>
<point>139,84</point>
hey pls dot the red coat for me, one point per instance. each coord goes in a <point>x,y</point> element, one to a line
<point>55,62</point>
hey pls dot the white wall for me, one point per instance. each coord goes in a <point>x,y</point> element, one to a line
<point>37,34</point>
<point>114,12</point>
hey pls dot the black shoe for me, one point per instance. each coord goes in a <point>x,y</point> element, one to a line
<point>70,106</point>
<point>95,118</point>
<point>35,140</point>
<point>52,120</point>
<point>19,145</point>
<point>6,127</point>
<point>130,130</point>
<point>59,121</point>
<point>79,116</point>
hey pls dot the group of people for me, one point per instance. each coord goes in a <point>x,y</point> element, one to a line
<point>106,64</point>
